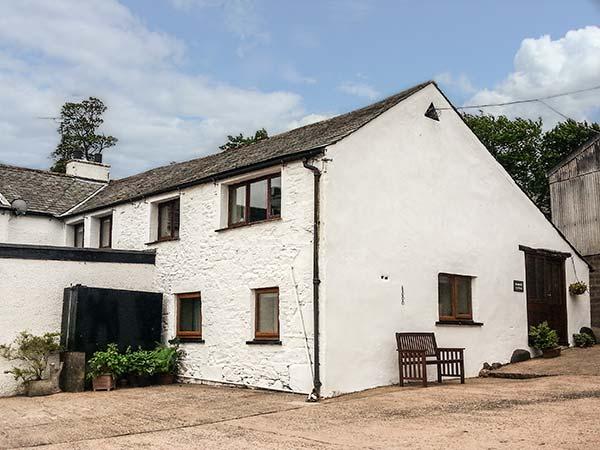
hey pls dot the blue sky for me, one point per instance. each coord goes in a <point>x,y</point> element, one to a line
<point>179,75</point>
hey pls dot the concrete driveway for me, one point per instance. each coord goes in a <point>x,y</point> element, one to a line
<point>551,412</point>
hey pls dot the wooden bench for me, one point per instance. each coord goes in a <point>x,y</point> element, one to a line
<point>418,350</point>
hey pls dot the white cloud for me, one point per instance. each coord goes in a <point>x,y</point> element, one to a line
<point>307,120</point>
<point>66,50</point>
<point>545,67</point>
<point>359,89</point>
<point>240,18</point>
<point>291,74</point>
<point>462,82</point>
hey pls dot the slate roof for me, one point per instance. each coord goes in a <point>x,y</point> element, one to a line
<point>45,192</point>
<point>289,145</point>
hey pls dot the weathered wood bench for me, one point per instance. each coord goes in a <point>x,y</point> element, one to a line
<point>418,350</point>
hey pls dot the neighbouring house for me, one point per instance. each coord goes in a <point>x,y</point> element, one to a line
<point>575,205</point>
<point>290,263</point>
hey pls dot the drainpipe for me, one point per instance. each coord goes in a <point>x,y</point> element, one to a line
<point>316,392</point>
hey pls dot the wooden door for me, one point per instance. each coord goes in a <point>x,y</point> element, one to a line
<point>546,292</point>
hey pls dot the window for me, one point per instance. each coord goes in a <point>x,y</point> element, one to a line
<point>168,220</point>
<point>266,321</point>
<point>189,316</point>
<point>78,232</point>
<point>255,200</point>
<point>454,297</point>
<point>105,238</point>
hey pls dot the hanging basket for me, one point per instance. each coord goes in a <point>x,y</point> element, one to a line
<point>578,288</point>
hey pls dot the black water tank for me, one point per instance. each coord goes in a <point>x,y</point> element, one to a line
<point>95,317</point>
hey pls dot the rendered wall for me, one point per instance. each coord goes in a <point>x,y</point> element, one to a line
<point>31,229</point>
<point>408,197</point>
<point>31,295</point>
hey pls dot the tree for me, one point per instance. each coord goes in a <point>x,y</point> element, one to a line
<point>241,141</point>
<point>78,127</point>
<point>526,151</point>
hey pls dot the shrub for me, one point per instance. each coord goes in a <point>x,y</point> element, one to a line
<point>168,358</point>
<point>141,362</point>
<point>542,337</point>
<point>33,351</point>
<point>108,361</point>
<point>577,288</point>
<point>583,340</point>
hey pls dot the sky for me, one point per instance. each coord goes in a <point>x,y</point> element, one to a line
<point>178,76</point>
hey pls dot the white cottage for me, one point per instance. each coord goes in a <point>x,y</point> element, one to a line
<point>289,264</point>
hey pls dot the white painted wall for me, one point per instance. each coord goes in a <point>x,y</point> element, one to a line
<point>31,295</point>
<point>31,229</point>
<point>226,266</point>
<point>409,197</point>
<point>88,169</point>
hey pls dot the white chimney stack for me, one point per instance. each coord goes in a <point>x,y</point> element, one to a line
<point>87,169</point>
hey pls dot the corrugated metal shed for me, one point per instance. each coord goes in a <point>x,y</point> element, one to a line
<point>575,197</point>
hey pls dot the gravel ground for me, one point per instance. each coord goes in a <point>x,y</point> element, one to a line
<point>551,412</point>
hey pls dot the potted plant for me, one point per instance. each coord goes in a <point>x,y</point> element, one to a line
<point>545,339</point>
<point>104,367</point>
<point>167,362</point>
<point>34,352</point>
<point>578,288</point>
<point>141,366</point>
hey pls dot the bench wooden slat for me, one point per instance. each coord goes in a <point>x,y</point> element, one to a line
<point>415,348</point>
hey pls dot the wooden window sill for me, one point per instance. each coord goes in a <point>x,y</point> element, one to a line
<point>189,339</point>
<point>161,241</point>
<point>264,342</point>
<point>459,322</point>
<point>244,225</point>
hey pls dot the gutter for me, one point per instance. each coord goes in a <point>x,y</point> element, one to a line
<point>316,392</point>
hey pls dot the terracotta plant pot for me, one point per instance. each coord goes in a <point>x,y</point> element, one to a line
<point>165,378</point>
<point>105,382</point>
<point>551,352</point>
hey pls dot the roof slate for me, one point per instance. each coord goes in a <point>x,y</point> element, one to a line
<point>45,192</point>
<point>285,145</point>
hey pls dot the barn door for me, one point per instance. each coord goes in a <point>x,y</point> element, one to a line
<point>546,291</point>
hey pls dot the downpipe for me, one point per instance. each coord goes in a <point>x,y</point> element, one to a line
<point>315,395</point>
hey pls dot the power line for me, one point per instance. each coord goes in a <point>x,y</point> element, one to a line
<point>530,100</point>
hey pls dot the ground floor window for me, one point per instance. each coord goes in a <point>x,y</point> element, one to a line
<point>266,323</point>
<point>454,297</point>
<point>189,316</point>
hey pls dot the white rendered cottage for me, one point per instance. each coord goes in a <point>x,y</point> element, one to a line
<point>418,229</point>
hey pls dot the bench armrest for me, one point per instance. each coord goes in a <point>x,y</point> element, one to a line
<point>446,349</point>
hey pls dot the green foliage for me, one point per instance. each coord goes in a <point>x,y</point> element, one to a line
<point>583,340</point>
<point>578,288</point>
<point>241,141</point>
<point>526,151</point>
<point>108,361</point>
<point>140,362</point>
<point>33,351</point>
<point>78,127</point>
<point>542,337</point>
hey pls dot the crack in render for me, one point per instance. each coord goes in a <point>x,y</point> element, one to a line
<point>158,430</point>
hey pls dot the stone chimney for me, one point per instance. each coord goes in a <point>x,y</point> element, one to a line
<point>92,170</point>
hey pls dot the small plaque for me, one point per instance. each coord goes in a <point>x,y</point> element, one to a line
<point>518,286</point>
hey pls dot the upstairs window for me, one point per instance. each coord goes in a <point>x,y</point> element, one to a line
<point>168,220</point>
<point>266,321</point>
<point>78,233</point>
<point>255,200</point>
<point>189,316</point>
<point>454,297</point>
<point>105,237</point>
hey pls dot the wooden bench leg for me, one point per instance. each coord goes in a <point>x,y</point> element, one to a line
<point>462,371</point>
<point>424,366</point>
<point>401,370</point>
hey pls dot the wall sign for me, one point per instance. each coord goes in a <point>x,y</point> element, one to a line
<point>518,286</point>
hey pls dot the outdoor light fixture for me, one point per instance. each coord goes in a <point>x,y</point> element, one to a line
<point>19,206</point>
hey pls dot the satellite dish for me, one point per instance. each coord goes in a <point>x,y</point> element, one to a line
<point>19,206</point>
